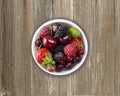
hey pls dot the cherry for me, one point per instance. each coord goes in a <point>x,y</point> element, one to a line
<point>66,39</point>
<point>59,67</point>
<point>49,42</point>
<point>38,42</point>
<point>77,59</point>
<point>69,66</point>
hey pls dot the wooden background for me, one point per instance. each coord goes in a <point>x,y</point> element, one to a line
<point>100,74</point>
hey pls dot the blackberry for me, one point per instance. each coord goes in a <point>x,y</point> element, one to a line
<point>62,31</point>
<point>59,48</point>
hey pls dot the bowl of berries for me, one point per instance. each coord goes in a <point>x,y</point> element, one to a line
<point>59,47</point>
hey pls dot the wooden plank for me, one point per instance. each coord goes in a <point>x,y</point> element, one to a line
<point>100,74</point>
<point>42,13</point>
<point>16,63</point>
<point>85,77</point>
<point>23,25</point>
<point>7,44</point>
<point>64,9</point>
<point>1,46</point>
<point>117,47</point>
<point>97,20</point>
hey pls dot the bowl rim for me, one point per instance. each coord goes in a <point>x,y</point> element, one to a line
<point>77,66</point>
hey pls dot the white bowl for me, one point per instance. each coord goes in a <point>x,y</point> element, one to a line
<point>77,66</point>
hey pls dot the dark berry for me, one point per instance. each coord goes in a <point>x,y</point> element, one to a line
<point>55,27</point>
<point>65,39</point>
<point>58,56</point>
<point>69,66</point>
<point>62,31</point>
<point>77,59</point>
<point>59,48</point>
<point>59,68</point>
<point>62,62</point>
<point>38,42</point>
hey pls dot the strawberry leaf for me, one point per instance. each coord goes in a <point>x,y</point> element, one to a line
<point>48,60</point>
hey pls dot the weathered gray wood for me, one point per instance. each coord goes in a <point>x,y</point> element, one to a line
<point>7,49</point>
<point>16,38</point>
<point>85,16</point>
<point>42,13</point>
<point>99,76</point>
<point>117,47</point>
<point>1,42</point>
<point>97,19</point>
<point>22,32</point>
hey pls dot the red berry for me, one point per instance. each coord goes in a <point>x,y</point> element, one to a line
<point>77,42</point>
<point>70,50</point>
<point>49,42</point>
<point>45,31</point>
<point>40,54</point>
<point>81,52</point>
<point>66,39</point>
<point>69,58</point>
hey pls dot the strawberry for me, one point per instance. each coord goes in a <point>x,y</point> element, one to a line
<point>44,56</point>
<point>77,42</point>
<point>41,53</point>
<point>70,50</point>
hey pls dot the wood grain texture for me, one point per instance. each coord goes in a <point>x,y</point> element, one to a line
<point>42,12</point>
<point>100,74</point>
<point>97,19</point>
<point>117,47</point>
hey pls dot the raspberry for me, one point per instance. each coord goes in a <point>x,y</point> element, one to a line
<point>70,50</point>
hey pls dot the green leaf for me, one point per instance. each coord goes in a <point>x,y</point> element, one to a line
<point>48,60</point>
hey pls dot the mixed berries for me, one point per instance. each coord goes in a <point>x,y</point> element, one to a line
<point>59,47</point>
